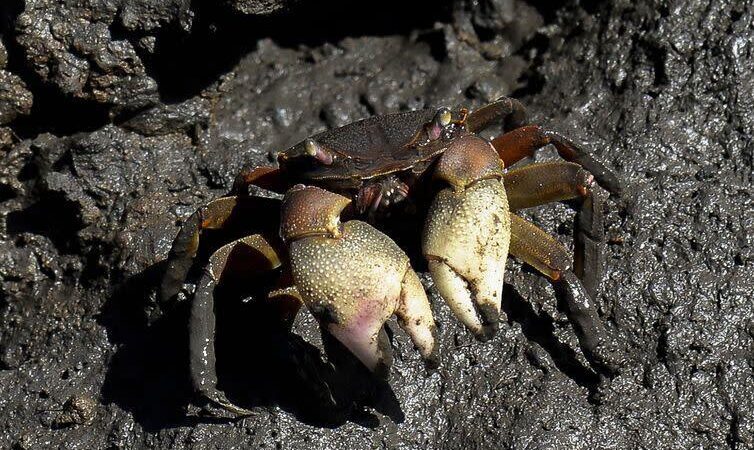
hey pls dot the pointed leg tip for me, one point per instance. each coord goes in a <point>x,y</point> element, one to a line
<point>432,360</point>
<point>220,402</point>
<point>487,332</point>
<point>613,185</point>
<point>606,351</point>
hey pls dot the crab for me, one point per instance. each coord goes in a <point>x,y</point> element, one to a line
<point>331,253</point>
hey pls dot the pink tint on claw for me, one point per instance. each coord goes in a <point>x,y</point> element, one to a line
<point>361,333</point>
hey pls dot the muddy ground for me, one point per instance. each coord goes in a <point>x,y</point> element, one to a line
<point>119,117</point>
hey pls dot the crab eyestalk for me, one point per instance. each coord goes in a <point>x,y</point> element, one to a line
<point>353,278</point>
<point>467,234</point>
<point>441,120</point>
<point>313,149</point>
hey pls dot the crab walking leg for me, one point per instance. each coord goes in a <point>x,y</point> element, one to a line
<point>353,278</point>
<point>505,109</point>
<point>541,251</point>
<point>524,141</point>
<point>265,177</point>
<point>467,233</point>
<point>286,300</point>
<point>202,359</point>
<point>215,215</point>
<point>537,184</point>
<point>589,242</point>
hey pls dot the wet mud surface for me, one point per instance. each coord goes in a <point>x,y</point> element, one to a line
<point>119,118</point>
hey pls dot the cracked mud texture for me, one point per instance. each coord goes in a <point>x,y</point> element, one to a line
<point>107,148</point>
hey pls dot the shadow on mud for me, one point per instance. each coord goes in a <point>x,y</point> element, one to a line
<point>540,328</point>
<point>260,363</point>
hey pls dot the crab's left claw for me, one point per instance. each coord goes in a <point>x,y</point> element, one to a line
<point>353,278</point>
<point>467,234</point>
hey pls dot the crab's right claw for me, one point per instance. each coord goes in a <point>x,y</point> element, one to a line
<point>467,234</point>
<point>353,278</point>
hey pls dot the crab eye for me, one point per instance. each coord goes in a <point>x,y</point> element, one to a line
<point>310,147</point>
<point>443,117</point>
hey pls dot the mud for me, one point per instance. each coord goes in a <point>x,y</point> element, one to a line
<point>119,118</point>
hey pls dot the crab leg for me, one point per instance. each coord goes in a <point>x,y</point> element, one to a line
<point>265,177</point>
<point>541,251</point>
<point>524,141</point>
<point>467,232</point>
<point>353,278</point>
<point>261,256</point>
<point>537,184</point>
<point>505,109</point>
<point>218,214</point>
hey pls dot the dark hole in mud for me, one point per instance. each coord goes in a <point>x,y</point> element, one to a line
<point>52,216</point>
<point>6,193</point>
<point>657,57</point>
<point>532,82</point>
<point>28,172</point>
<point>57,113</point>
<point>549,9</point>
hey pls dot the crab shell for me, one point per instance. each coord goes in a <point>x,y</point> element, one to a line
<point>353,277</point>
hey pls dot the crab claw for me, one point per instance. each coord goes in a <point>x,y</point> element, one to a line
<point>467,234</point>
<point>353,279</point>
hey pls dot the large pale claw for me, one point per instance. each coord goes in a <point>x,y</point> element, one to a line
<point>466,239</point>
<point>353,280</point>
